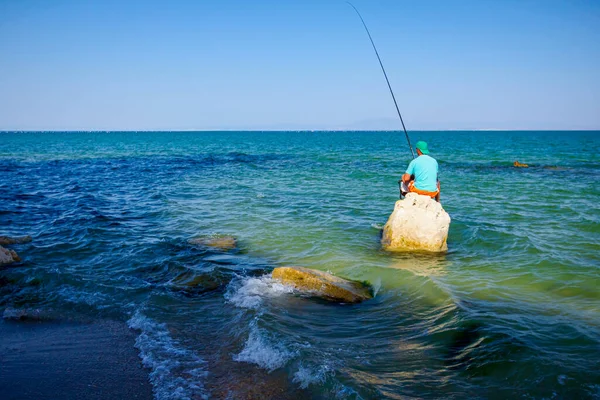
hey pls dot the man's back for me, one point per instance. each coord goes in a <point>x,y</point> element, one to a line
<point>425,170</point>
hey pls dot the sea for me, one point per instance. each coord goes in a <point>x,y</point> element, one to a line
<point>512,310</point>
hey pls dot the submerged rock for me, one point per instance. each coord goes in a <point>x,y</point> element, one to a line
<point>417,223</point>
<point>217,242</point>
<point>191,281</point>
<point>8,256</point>
<point>322,284</point>
<point>4,240</point>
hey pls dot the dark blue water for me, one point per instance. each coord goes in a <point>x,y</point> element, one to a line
<point>512,310</point>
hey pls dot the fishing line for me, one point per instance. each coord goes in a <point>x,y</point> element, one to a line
<point>386,78</point>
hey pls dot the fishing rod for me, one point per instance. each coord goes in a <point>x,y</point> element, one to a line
<point>386,78</point>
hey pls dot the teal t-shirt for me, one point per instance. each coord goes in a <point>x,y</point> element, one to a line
<point>425,170</point>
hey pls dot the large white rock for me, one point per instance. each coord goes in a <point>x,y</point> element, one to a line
<point>417,223</point>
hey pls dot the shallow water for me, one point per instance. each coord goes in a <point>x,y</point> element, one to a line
<point>512,309</point>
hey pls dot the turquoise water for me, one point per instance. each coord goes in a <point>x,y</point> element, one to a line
<point>512,310</point>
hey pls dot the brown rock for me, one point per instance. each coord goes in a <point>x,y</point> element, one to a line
<point>8,256</point>
<point>322,284</point>
<point>217,242</point>
<point>4,240</point>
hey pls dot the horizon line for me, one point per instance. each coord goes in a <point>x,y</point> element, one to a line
<point>292,130</point>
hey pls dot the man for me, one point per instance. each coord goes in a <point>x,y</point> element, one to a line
<point>421,176</point>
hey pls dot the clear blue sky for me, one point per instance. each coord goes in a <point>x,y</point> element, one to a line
<point>284,64</point>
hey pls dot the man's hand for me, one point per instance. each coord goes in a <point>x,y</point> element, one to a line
<point>406,178</point>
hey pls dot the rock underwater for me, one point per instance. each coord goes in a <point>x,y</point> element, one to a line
<point>219,242</point>
<point>4,240</point>
<point>322,284</point>
<point>417,223</point>
<point>8,256</point>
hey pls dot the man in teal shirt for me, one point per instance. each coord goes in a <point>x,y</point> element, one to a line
<point>421,176</point>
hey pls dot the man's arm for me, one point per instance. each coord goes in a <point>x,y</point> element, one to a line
<point>409,171</point>
<point>437,197</point>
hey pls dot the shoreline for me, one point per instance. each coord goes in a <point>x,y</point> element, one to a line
<point>70,360</point>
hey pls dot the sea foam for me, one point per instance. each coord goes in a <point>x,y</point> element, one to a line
<point>263,351</point>
<point>176,372</point>
<point>250,292</point>
<point>306,376</point>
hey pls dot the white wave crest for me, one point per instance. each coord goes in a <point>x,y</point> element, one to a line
<point>250,292</point>
<point>306,376</point>
<point>176,372</point>
<point>265,353</point>
<point>376,286</point>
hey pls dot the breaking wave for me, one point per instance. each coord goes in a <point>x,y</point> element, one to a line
<point>264,351</point>
<point>250,292</point>
<point>176,372</point>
